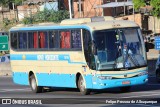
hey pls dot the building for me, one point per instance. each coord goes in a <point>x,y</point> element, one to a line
<point>87,8</point>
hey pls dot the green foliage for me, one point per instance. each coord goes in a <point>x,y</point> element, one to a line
<point>27,20</point>
<point>6,22</point>
<point>156,7</point>
<point>18,2</point>
<point>139,3</point>
<point>6,2</point>
<point>47,16</point>
<point>58,16</point>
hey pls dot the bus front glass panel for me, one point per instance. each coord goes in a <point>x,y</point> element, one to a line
<point>119,49</point>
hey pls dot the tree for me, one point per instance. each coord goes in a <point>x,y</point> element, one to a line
<point>138,4</point>
<point>47,16</point>
<point>6,2</point>
<point>154,3</point>
<point>156,7</point>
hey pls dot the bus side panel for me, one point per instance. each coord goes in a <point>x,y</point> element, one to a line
<point>56,80</point>
<point>20,78</point>
<point>88,80</point>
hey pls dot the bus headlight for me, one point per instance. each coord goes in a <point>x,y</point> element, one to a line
<point>143,73</point>
<point>105,77</point>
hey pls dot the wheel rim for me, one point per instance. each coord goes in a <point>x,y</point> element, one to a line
<point>33,84</point>
<point>82,86</point>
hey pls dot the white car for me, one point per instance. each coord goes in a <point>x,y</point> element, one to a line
<point>5,58</point>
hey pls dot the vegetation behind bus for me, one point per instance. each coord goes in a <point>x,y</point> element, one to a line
<point>39,17</point>
<point>47,16</point>
<point>153,3</point>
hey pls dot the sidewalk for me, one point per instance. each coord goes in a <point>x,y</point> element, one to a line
<point>5,69</point>
<point>152,54</point>
<point>152,57</point>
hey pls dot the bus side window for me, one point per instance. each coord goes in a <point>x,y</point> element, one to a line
<point>14,40</point>
<point>22,36</point>
<point>30,40</point>
<point>65,39</point>
<point>43,40</point>
<point>76,39</point>
<point>53,39</point>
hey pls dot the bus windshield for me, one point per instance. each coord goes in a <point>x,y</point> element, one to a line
<point>119,49</point>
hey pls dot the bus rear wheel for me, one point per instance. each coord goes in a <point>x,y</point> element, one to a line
<point>125,89</point>
<point>81,86</point>
<point>33,85</point>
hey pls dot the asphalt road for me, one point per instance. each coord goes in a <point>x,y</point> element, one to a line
<point>63,96</point>
<point>59,97</point>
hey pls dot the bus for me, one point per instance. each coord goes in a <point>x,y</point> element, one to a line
<point>85,53</point>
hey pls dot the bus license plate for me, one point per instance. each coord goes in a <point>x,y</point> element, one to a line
<point>126,82</point>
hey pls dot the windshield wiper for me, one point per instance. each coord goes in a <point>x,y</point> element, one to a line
<point>134,60</point>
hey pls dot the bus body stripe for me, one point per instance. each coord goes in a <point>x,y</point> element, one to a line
<point>44,57</point>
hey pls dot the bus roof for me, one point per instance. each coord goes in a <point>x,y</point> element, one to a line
<point>89,23</point>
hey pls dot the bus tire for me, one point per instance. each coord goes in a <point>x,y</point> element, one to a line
<point>81,86</point>
<point>33,85</point>
<point>125,89</point>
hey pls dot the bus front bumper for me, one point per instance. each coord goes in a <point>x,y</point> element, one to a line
<point>104,84</point>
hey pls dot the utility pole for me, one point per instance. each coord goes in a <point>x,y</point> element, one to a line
<point>124,8</point>
<point>80,9</point>
<point>13,5</point>
<point>70,11</point>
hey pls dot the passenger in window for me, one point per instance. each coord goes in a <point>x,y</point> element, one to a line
<point>65,39</point>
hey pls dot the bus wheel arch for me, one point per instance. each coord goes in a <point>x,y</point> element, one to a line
<point>33,83</point>
<point>81,85</point>
<point>77,78</point>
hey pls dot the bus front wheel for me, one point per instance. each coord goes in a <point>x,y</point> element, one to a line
<point>81,86</point>
<point>33,84</point>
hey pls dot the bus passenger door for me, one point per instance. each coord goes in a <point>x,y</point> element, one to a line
<point>90,70</point>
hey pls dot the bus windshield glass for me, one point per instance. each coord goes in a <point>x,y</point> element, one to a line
<point>119,49</point>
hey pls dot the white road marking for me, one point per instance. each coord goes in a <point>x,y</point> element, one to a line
<point>141,96</point>
<point>147,92</point>
<point>6,97</point>
<point>9,76</point>
<point>146,105</point>
<point>10,90</point>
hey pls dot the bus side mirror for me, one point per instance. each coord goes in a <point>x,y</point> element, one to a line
<point>146,46</point>
<point>94,49</point>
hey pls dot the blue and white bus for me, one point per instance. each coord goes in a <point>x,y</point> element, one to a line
<point>86,53</point>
